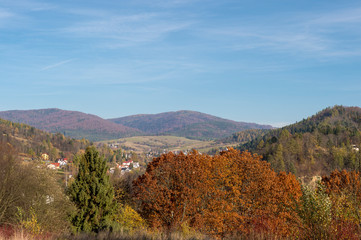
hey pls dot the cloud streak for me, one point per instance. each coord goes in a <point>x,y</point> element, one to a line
<point>5,14</point>
<point>322,35</point>
<point>56,64</point>
<point>125,30</point>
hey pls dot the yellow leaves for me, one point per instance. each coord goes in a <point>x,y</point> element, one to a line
<point>30,224</point>
<point>130,220</point>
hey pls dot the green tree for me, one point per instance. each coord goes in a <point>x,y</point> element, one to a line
<point>93,194</point>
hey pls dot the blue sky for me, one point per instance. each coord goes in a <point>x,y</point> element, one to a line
<point>273,62</point>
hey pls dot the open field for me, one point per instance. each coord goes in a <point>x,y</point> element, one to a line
<point>141,144</point>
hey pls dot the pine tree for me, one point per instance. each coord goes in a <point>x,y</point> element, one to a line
<point>92,194</point>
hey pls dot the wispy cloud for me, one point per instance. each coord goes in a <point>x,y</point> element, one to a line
<point>321,35</point>
<point>352,15</point>
<point>125,30</point>
<point>56,64</point>
<point>5,14</point>
<point>28,5</point>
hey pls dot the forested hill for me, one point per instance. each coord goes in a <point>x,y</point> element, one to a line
<point>79,125</point>
<point>244,136</point>
<point>31,142</point>
<point>317,145</point>
<point>71,123</point>
<point>188,124</point>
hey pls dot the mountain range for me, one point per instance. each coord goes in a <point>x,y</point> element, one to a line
<point>190,124</point>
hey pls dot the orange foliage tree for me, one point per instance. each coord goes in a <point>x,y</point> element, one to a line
<point>230,193</point>
<point>344,189</point>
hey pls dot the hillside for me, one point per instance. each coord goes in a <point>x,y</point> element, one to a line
<point>315,146</point>
<point>71,123</point>
<point>31,142</point>
<point>194,125</point>
<point>160,144</point>
<point>244,136</point>
<point>190,124</point>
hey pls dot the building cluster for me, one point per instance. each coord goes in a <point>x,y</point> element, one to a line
<point>59,163</point>
<point>126,166</point>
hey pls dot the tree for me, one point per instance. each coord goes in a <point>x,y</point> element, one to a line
<point>169,192</point>
<point>222,195</point>
<point>93,194</point>
<point>344,191</point>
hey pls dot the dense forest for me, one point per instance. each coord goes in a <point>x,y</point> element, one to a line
<point>33,142</point>
<point>317,145</point>
<point>244,136</point>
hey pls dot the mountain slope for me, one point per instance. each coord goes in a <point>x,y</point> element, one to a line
<point>188,124</point>
<point>31,142</point>
<point>317,145</point>
<point>72,123</point>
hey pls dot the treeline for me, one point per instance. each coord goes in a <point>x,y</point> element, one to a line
<point>34,142</point>
<point>326,141</point>
<point>244,136</point>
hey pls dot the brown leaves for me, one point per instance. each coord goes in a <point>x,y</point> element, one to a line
<point>229,193</point>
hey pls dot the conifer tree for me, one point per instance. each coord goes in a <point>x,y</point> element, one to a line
<point>92,194</point>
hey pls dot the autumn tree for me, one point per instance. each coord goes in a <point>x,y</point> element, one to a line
<point>344,190</point>
<point>168,193</point>
<point>93,194</point>
<point>230,193</point>
<point>245,195</point>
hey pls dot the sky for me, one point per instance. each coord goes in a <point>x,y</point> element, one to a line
<point>268,61</point>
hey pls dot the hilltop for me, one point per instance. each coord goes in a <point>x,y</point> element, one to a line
<point>317,145</point>
<point>190,124</point>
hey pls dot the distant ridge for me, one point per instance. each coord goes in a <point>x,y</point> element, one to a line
<point>72,123</point>
<point>75,124</point>
<point>188,124</point>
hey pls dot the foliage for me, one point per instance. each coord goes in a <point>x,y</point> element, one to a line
<point>244,136</point>
<point>219,195</point>
<point>315,212</point>
<point>92,194</point>
<point>129,220</point>
<point>33,142</point>
<point>316,145</point>
<point>344,189</point>
<point>31,224</point>
<point>32,189</point>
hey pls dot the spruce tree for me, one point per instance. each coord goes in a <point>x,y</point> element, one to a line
<point>92,194</point>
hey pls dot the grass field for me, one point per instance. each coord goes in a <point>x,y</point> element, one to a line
<point>141,144</point>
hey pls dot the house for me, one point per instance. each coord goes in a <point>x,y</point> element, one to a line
<point>124,170</point>
<point>127,163</point>
<point>136,165</point>
<point>62,161</point>
<point>53,166</point>
<point>355,148</point>
<point>45,156</point>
